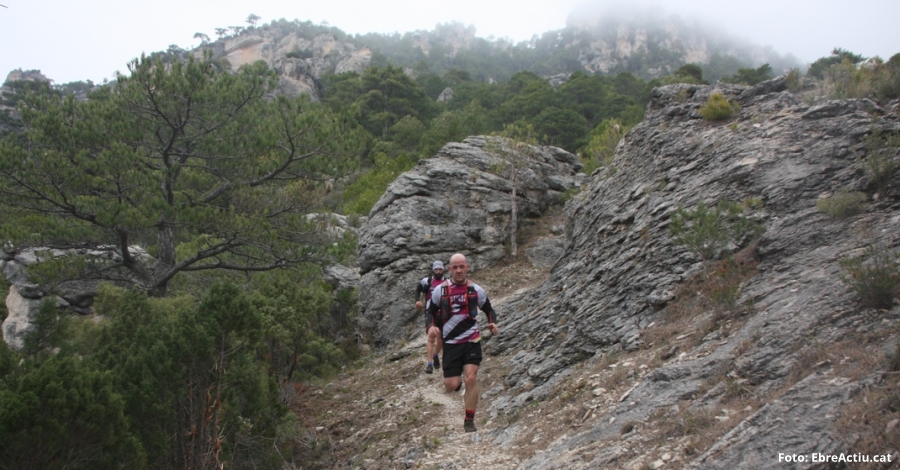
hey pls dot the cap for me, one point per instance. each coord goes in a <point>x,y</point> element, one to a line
<point>437,265</point>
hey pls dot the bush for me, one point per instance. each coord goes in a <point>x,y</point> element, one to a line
<point>794,80</point>
<point>843,204</point>
<point>62,414</point>
<point>689,73</point>
<point>361,196</point>
<point>717,108</point>
<point>750,76</point>
<point>706,231</point>
<point>602,143</point>
<point>872,78</point>
<point>817,69</point>
<point>300,54</point>
<point>874,276</point>
<point>881,158</point>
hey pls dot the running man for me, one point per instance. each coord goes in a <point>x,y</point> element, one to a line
<point>433,342</point>
<point>454,306</point>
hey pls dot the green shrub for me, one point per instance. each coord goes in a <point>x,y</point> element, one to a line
<point>751,76</point>
<point>794,80</point>
<point>724,294</point>
<point>881,158</point>
<point>602,143</point>
<point>843,204</point>
<point>361,196</point>
<point>300,54</point>
<point>718,108</point>
<point>873,79</point>
<point>874,276</point>
<point>706,231</point>
<point>887,83</point>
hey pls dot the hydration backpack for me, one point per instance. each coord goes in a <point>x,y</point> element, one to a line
<point>471,301</point>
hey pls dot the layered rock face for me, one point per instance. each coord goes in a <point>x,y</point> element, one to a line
<point>454,202</point>
<point>298,61</point>
<point>621,269</point>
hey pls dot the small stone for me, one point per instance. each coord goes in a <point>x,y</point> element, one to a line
<point>891,425</point>
<point>657,464</point>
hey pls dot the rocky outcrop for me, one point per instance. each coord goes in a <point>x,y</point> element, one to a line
<point>26,75</point>
<point>299,61</point>
<point>25,297</point>
<point>621,269</point>
<point>445,95</point>
<point>618,39</point>
<point>453,202</point>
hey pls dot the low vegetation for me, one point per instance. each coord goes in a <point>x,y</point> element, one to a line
<point>882,158</point>
<point>718,108</point>
<point>873,276</point>
<point>707,231</point>
<point>842,204</point>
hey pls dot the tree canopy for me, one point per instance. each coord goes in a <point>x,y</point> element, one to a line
<point>202,168</point>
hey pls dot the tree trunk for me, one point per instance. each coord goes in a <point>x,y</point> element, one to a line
<point>165,243</point>
<point>513,223</point>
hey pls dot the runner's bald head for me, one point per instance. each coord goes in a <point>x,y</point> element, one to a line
<point>459,268</point>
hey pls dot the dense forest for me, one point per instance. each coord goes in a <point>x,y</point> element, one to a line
<point>211,329</point>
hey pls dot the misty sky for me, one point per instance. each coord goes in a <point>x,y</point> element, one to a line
<point>91,39</point>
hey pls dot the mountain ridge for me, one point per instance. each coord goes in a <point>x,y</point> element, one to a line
<point>302,53</point>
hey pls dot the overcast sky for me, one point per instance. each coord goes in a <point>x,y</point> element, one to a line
<point>71,40</point>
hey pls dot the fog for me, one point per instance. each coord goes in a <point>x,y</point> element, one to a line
<point>807,29</point>
<point>91,39</point>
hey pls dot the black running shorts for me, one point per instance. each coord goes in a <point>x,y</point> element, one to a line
<point>458,355</point>
<point>428,321</point>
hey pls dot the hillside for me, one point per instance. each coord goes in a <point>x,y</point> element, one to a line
<point>637,352</point>
<point>303,53</point>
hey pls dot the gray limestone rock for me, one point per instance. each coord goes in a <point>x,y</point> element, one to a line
<point>18,322</point>
<point>341,277</point>
<point>621,268</point>
<point>445,95</point>
<point>453,202</point>
<point>546,251</point>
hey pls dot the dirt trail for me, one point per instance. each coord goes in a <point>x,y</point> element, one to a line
<point>386,413</point>
<point>457,448</point>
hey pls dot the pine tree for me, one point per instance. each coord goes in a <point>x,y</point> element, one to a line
<point>201,167</point>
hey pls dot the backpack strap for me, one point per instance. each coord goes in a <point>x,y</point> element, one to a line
<point>446,311</point>
<point>471,300</point>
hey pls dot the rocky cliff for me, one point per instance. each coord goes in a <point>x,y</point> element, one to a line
<point>622,359</point>
<point>650,44</point>
<point>611,291</point>
<point>299,59</point>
